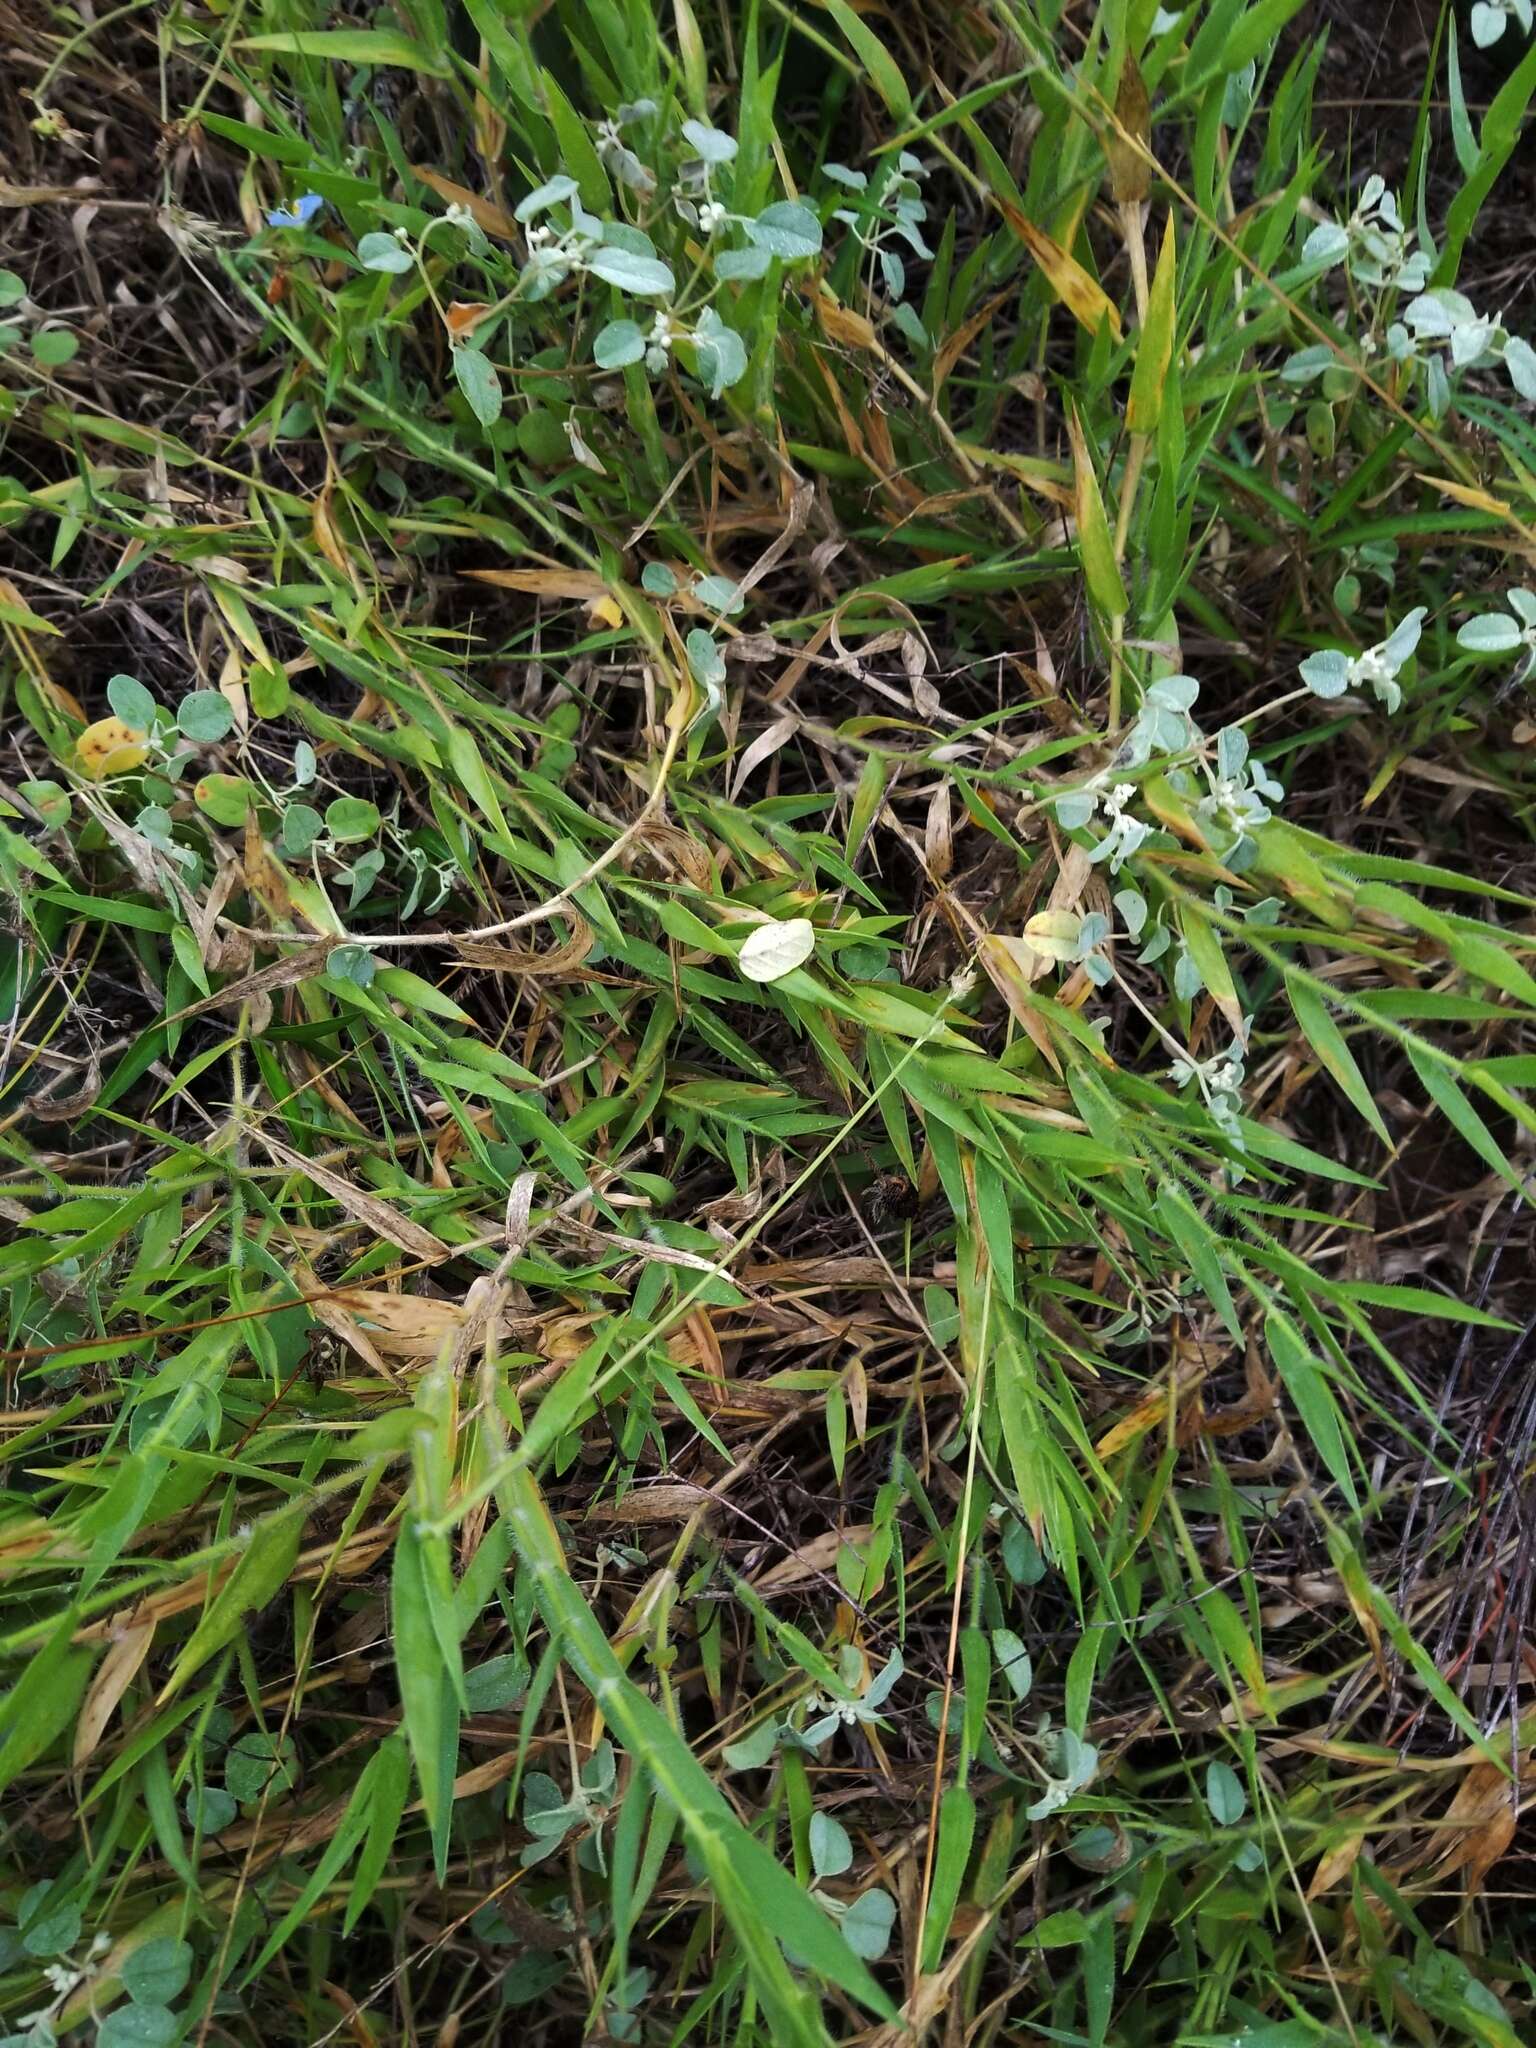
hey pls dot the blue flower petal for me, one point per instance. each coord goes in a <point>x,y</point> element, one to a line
<point>304,211</point>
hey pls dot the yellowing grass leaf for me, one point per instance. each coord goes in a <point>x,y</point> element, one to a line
<point>1100,569</point>
<point>1154,349</point>
<point>1083,296</point>
<point>488,215</point>
<point>1205,950</point>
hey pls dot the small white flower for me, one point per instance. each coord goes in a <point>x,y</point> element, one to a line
<point>658,345</point>
<point>459,216</point>
<point>711,216</point>
<point>1124,837</point>
<point>1220,1079</point>
<point>538,236</point>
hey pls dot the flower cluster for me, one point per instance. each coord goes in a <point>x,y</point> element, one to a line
<point>1238,799</point>
<point>1440,329</point>
<point>1377,249</point>
<point>1220,1081</point>
<point>1447,320</point>
<point>1125,833</point>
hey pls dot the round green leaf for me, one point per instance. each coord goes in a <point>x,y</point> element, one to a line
<point>204,716</point>
<point>383,252</point>
<point>51,802</point>
<point>742,266</point>
<point>224,798</point>
<point>139,2026</point>
<point>269,689</point>
<point>1224,1795</point>
<point>352,963</point>
<point>867,1924</point>
<point>830,1846</point>
<point>157,1972</point>
<point>1493,633</point>
<point>54,346</point>
<point>49,1922</point>
<point>541,438</point>
<point>213,1812</point>
<point>479,383</point>
<point>786,229</point>
<point>259,1763</point>
<point>619,344</point>
<point>714,146</point>
<point>131,702</point>
<point>720,351</point>
<point>499,1682</point>
<point>351,817</point>
<point>646,276</point>
<point>302,826</point>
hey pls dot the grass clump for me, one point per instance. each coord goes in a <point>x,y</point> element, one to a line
<point>766,1118</point>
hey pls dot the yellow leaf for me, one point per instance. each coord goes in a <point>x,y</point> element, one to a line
<point>486,213</point>
<point>464,316</point>
<point>1094,544</point>
<point>839,324</point>
<point>110,748</point>
<point>1338,1863</point>
<point>1154,351</point>
<point>1467,494</point>
<point>1125,144</point>
<point>1082,295</point>
<point>1054,933</point>
<point>581,584</point>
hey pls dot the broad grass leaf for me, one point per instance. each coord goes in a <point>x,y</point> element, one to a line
<point>761,1901</point>
<point>1205,950</point>
<point>1313,1398</point>
<point>1327,1041</point>
<point>351,46</point>
<point>1445,1092</point>
<point>884,72</point>
<point>259,1575</point>
<point>42,1702</point>
<point>428,1698</point>
<point>1201,1246</point>
<point>388,1788</point>
<point>957,1830</point>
